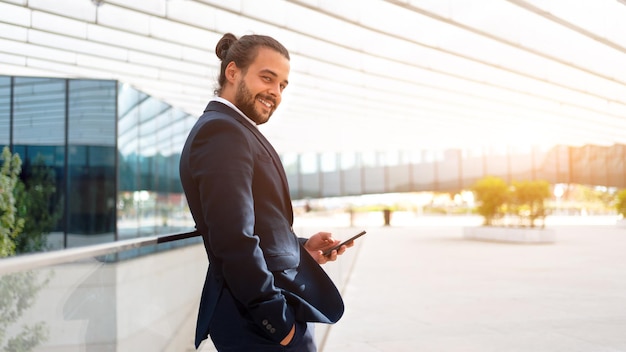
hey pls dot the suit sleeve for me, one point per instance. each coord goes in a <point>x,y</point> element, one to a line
<point>222,165</point>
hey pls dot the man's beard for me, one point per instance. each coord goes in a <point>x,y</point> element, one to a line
<point>245,101</point>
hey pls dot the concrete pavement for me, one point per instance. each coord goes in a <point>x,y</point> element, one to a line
<point>420,286</point>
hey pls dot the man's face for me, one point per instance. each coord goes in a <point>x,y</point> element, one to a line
<point>259,89</point>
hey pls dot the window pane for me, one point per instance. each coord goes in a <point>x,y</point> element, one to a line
<point>348,160</point>
<point>308,163</point>
<point>328,162</point>
<point>39,111</point>
<point>92,112</point>
<point>5,110</point>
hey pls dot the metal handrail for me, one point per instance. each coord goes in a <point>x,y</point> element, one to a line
<point>38,260</point>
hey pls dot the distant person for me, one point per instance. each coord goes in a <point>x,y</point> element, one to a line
<point>263,283</point>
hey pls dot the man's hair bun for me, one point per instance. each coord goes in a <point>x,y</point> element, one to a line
<point>224,44</point>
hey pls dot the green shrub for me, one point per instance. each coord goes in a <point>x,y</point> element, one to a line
<point>527,201</point>
<point>620,204</point>
<point>492,195</point>
<point>11,224</point>
<point>523,199</point>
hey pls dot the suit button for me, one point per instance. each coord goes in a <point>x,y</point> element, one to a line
<point>269,327</point>
<point>273,331</point>
<point>265,322</point>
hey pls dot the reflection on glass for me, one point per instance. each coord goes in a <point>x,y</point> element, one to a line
<point>20,325</point>
<point>91,162</point>
<point>39,111</point>
<point>104,304</point>
<point>151,135</point>
<point>5,110</point>
<point>113,151</point>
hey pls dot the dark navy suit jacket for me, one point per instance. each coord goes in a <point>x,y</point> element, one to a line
<point>238,195</point>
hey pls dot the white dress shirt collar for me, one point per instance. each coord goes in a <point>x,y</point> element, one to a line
<point>232,106</point>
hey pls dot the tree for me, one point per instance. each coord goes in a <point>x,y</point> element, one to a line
<point>527,200</point>
<point>37,204</point>
<point>18,291</point>
<point>11,224</point>
<point>492,194</point>
<point>620,204</point>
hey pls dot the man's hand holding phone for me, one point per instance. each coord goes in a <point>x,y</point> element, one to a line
<point>324,248</point>
<point>349,241</point>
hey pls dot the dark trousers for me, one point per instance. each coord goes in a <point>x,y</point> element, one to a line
<point>231,332</point>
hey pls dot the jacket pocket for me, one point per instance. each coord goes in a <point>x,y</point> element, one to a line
<point>283,261</point>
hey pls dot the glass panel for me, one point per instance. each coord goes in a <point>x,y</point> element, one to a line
<point>449,170</point>
<point>39,111</point>
<point>128,147</point>
<point>424,176</point>
<point>92,112</point>
<point>472,167</point>
<point>389,158</point>
<point>416,156</point>
<point>43,169</point>
<point>328,161</point>
<point>352,181</point>
<point>151,133</point>
<point>150,137</point>
<point>368,159</point>
<point>399,178</point>
<point>91,200</point>
<point>331,184</point>
<point>374,180</point>
<point>348,160</point>
<point>91,162</point>
<point>128,98</point>
<point>404,157</point>
<point>428,156</point>
<point>5,110</point>
<point>181,125</point>
<point>101,304</point>
<point>310,185</point>
<point>117,302</point>
<point>39,138</point>
<point>166,171</point>
<point>308,163</point>
<point>290,163</point>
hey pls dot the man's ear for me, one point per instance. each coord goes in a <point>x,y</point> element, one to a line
<point>231,72</point>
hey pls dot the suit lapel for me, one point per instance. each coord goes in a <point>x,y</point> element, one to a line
<point>220,107</point>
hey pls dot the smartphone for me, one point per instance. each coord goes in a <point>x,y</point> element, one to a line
<point>330,250</point>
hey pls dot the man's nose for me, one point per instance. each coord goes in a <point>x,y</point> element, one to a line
<point>275,90</point>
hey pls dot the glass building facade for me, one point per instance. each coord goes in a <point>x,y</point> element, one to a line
<point>114,152</point>
<point>319,175</point>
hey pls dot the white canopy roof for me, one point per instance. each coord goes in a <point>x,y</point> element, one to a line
<point>366,74</point>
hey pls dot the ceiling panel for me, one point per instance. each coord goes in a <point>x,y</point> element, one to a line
<point>367,75</point>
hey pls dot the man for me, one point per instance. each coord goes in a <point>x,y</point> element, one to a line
<point>263,283</point>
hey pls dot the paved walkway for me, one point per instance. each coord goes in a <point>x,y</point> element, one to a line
<point>422,287</point>
<point>419,286</point>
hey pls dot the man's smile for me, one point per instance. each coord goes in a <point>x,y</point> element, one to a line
<point>267,103</point>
